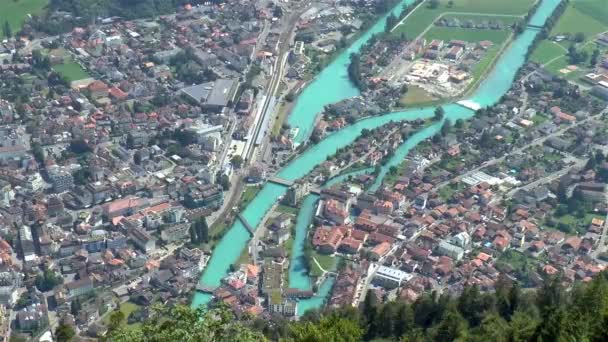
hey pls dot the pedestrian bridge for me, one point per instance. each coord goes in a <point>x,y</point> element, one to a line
<point>246,224</point>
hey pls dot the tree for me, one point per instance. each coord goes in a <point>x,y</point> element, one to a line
<point>38,152</point>
<point>329,328</point>
<point>6,29</point>
<point>75,306</point>
<point>438,114</point>
<point>579,37</point>
<point>64,333</point>
<point>445,128</point>
<point>47,280</point>
<point>594,57</point>
<point>433,4</point>
<point>391,21</point>
<point>451,328</point>
<point>181,323</point>
<point>224,182</point>
<point>237,161</point>
<point>199,231</point>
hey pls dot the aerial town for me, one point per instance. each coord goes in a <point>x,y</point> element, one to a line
<point>190,156</point>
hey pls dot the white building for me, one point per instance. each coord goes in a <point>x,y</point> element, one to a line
<point>390,278</point>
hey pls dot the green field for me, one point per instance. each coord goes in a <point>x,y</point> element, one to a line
<point>72,70</point>
<point>506,20</point>
<point>126,308</point>
<point>468,35</point>
<point>415,96</point>
<point>576,20</point>
<point>585,16</point>
<point>15,11</point>
<point>547,51</point>
<point>249,195</point>
<point>424,16</point>
<point>507,7</point>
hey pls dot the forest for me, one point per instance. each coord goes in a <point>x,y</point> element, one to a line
<point>510,313</point>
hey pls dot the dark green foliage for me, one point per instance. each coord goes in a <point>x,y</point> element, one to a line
<point>48,280</point>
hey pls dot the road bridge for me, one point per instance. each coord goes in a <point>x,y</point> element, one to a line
<point>280,181</point>
<point>246,224</point>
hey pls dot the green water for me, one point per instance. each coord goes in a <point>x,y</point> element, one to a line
<point>489,92</point>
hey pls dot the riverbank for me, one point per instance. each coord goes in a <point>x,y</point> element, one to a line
<point>498,82</point>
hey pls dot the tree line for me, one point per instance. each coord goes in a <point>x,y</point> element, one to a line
<point>510,313</point>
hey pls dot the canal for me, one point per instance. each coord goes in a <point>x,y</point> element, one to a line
<point>496,84</point>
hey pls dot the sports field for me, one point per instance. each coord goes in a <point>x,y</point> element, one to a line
<point>15,11</point>
<point>71,70</point>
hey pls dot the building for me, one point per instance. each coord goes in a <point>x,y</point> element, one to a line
<point>295,193</point>
<point>280,305</point>
<point>454,252</point>
<point>256,174</point>
<point>213,96</point>
<point>390,278</point>
<point>32,317</point>
<point>79,287</point>
<point>175,233</point>
<point>142,240</point>
<point>272,277</point>
<point>61,179</point>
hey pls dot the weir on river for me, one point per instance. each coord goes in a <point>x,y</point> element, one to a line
<point>309,104</point>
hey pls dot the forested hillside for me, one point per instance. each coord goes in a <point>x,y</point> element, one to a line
<point>509,314</point>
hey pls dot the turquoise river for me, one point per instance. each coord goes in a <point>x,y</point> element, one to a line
<point>330,86</point>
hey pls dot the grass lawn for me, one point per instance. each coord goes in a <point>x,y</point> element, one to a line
<point>596,9</point>
<point>248,195</point>
<point>72,70</point>
<point>424,16</point>
<point>516,259</point>
<point>328,262</point>
<point>15,11</point>
<point>479,18</point>
<point>587,16</point>
<point>510,7</point>
<point>415,96</point>
<point>546,51</point>
<point>468,35</point>
<point>244,258</point>
<point>126,308</point>
<point>280,118</point>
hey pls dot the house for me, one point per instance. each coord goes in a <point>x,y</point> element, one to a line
<point>79,287</point>
<point>454,252</point>
<point>379,251</point>
<point>335,211</point>
<point>327,239</point>
<point>455,52</point>
<point>143,240</point>
<point>98,89</point>
<point>282,221</point>
<point>350,245</point>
